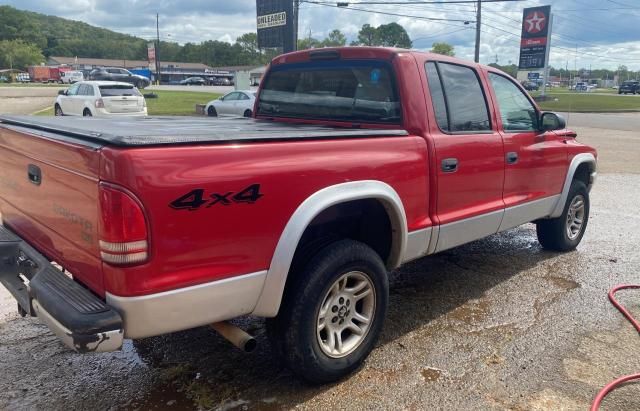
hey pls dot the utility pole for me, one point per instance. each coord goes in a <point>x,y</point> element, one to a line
<point>296,11</point>
<point>478,19</point>
<point>157,50</point>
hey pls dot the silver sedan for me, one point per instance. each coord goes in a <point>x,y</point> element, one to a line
<point>235,103</point>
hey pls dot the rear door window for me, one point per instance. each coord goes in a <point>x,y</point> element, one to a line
<point>118,90</point>
<point>459,89</point>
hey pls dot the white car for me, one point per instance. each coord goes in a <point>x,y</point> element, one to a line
<point>235,103</point>
<point>70,77</point>
<point>100,98</point>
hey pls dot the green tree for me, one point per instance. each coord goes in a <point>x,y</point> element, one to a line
<point>308,43</point>
<point>335,39</point>
<point>443,48</point>
<point>18,54</point>
<point>367,36</point>
<point>388,35</point>
<point>511,69</point>
<point>393,35</point>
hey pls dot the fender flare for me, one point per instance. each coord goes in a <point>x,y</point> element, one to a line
<point>269,301</point>
<point>575,163</point>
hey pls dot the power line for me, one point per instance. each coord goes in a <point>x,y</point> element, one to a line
<point>340,4</point>
<point>326,4</point>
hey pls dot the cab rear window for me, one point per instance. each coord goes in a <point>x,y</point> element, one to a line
<point>339,90</point>
<point>116,90</point>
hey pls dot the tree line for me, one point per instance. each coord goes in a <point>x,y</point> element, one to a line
<point>28,38</point>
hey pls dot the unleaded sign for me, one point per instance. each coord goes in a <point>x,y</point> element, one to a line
<point>272,20</point>
<point>275,24</point>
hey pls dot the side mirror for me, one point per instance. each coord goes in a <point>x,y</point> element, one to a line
<point>552,121</point>
<point>62,92</point>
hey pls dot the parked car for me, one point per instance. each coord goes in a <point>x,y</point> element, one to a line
<point>4,79</point>
<point>70,77</point>
<point>193,81</point>
<point>530,86</point>
<point>119,74</point>
<point>220,81</point>
<point>581,86</point>
<point>23,78</point>
<point>629,87</point>
<point>358,160</point>
<point>100,98</point>
<point>235,103</point>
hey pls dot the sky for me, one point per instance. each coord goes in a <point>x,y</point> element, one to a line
<point>596,33</point>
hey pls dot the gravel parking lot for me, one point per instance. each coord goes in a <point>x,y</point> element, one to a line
<point>495,324</point>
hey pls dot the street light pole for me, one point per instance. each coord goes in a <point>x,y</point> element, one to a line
<point>157,50</point>
<point>478,19</point>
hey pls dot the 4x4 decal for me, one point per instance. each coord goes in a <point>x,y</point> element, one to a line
<point>196,199</point>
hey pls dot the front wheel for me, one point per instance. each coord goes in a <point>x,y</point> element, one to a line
<point>211,112</point>
<point>332,313</point>
<point>87,113</point>
<point>58,111</point>
<point>565,232</point>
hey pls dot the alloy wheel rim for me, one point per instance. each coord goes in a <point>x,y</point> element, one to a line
<point>575,217</point>
<point>346,314</point>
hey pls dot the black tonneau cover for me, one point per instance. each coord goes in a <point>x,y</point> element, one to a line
<point>146,131</point>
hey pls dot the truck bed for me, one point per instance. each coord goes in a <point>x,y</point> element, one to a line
<point>148,131</point>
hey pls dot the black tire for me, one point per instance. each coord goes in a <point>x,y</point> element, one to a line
<point>247,113</point>
<point>293,332</point>
<point>87,113</point>
<point>211,112</point>
<point>57,110</point>
<point>553,233</point>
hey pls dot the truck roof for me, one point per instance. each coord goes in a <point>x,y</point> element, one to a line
<point>149,131</point>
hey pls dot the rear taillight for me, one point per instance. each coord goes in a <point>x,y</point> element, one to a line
<point>123,227</point>
<point>99,103</point>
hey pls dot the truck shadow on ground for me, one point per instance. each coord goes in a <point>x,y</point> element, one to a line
<point>197,367</point>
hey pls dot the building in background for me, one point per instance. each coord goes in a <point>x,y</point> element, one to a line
<point>171,72</point>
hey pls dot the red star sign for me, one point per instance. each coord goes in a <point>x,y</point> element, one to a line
<point>535,22</point>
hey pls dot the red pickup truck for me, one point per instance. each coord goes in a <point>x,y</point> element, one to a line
<point>357,160</point>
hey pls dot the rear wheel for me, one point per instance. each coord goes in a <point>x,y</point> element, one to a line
<point>247,113</point>
<point>58,110</point>
<point>565,232</point>
<point>332,312</point>
<point>86,113</point>
<point>211,111</point>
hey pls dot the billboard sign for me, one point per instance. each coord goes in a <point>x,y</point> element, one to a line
<point>534,40</point>
<point>151,55</point>
<point>533,76</point>
<point>275,24</point>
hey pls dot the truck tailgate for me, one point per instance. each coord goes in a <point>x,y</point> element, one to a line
<point>49,196</point>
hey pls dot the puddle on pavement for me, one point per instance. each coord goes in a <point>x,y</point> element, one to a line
<point>562,282</point>
<point>430,374</point>
<point>472,312</point>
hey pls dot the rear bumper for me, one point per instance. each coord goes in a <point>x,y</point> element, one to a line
<point>100,112</point>
<point>81,320</point>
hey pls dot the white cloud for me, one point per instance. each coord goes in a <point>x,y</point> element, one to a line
<point>606,33</point>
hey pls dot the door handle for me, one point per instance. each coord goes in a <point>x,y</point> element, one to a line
<point>34,174</point>
<point>512,157</point>
<point>449,165</point>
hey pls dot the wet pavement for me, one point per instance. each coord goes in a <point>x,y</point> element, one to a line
<point>495,324</point>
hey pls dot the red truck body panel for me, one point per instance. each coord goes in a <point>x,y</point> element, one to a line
<point>222,241</point>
